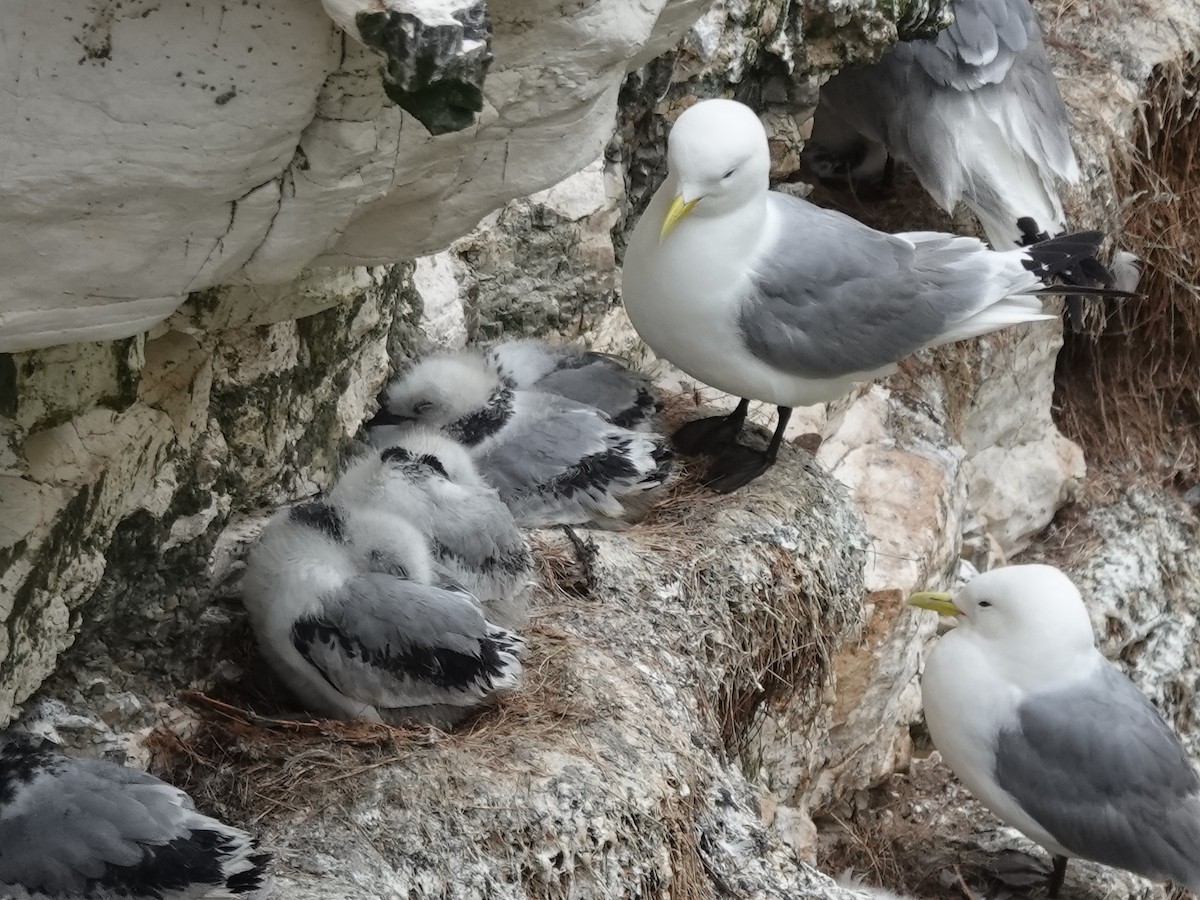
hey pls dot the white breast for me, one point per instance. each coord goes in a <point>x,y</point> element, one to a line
<point>966,705</point>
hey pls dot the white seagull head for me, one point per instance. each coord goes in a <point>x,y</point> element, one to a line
<point>1030,606</point>
<point>717,153</point>
<point>439,390</point>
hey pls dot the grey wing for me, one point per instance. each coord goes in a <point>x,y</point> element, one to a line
<point>490,541</point>
<point>78,820</point>
<point>1097,768</point>
<point>994,51</point>
<point>625,396</point>
<point>390,642</point>
<point>544,442</point>
<point>834,297</point>
<point>982,44</point>
<point>941,106</point>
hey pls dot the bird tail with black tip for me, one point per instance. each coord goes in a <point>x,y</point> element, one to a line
<point>1071,259</point>
<point>503,648</point>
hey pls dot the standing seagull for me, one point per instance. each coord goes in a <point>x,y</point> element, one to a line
<point>767,297</point>
<point>594,379</point>
<point>1050,736</point>
<point>975,112</point>
<point>552,460</point>
<point>431,480</point>
<point>87,828</point>
<point>342,605</point>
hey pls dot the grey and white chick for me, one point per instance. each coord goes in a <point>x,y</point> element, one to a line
<point>344,608</point>
<point>87,828</point>
<point>553,461</point>
<point>594,379</point>
<point>432,481</point>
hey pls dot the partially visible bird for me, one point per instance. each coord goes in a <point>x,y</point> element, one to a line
<point>594,379</point>
<point>768,297</point>
<point>86,828</point>
<point>1053,738</point>
<point>432,481</point>
<point>975,112</point>
<point>343,607</point>
<point>553,461</point>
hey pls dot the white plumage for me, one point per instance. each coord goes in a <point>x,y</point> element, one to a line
<point>552,460</point>
<point>344,608</point>
<point>431,480</point>
<point>1050,736</point>
<point>768,297</point>
<point>590,378</point>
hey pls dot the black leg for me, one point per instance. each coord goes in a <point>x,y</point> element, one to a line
<point>1057,876</point>
<point>739,465</point>
<point>711,435</point>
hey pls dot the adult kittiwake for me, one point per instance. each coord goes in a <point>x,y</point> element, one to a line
<point>431,480</point>
<point>343,605</point>
<point>1053,738</point>
<point>595,379</point>
<point>553,461</point>
<point>975,112</point>
<point>768,297</point>
<point>77,828</point>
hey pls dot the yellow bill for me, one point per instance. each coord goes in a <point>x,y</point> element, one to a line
<point>679,209</point>
<point>937,601</point>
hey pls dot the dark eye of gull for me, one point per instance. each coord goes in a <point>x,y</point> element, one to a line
<point>729,174</point>
<point>983,604</point>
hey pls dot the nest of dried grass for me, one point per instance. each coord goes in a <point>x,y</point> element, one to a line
<point>1130,391</point>
<point>250,756</point>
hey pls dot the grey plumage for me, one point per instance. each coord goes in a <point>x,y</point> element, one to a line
<point>552,460</point>
<point>976,112</point>
<point>475,540</point>
<point>343,607</point>
<point>1116,787</point>
<point>594,379</point>
<point>859,299</point>
<point>557,463</point>
<point>86,828</point>
<point>1049,735</point>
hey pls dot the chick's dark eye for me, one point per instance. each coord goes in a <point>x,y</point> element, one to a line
<point>423,406</point>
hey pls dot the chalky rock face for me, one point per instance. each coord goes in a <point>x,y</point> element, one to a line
<point>436,61</point>
<point>158,150</point>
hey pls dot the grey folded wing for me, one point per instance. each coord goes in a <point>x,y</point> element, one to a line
<point>487,541</point>
<point>390,642</point>
<point>834,297</point>
<point>625,396</point>
<point>912,100</point>
<point>999,43</point>
<point>568,454</point>
<point>1097,768</point>
<point>982,44</point>
<point>73,822</point>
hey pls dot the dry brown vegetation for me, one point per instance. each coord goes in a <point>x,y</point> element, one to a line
<point>251,754</point>
<point>1130,389</point>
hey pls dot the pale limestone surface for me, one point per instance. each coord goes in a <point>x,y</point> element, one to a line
<point>169,445</point>
<point>158,149</point>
